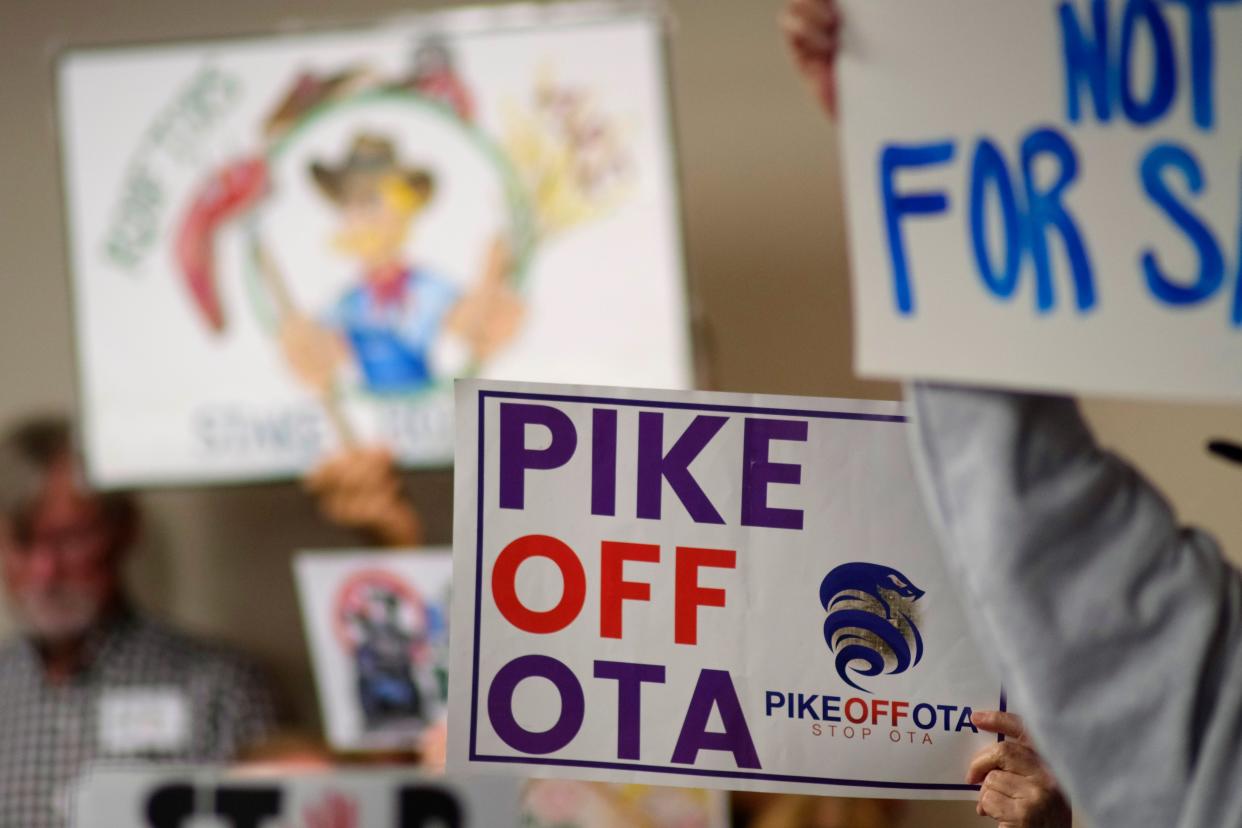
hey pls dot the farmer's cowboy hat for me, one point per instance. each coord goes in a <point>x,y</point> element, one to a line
<point>371,158</point>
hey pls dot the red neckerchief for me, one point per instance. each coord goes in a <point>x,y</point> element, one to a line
<point>388,285</point>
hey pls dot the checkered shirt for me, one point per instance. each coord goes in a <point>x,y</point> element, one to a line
<point>49,732</point>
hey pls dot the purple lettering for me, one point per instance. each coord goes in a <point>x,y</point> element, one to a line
<point>516,458</point>
<point>654,466</point>
<point>629,678</point>
<point>715,689</point>
<point>758,472</point>
<point>500,705</point>
<point>603,461</point>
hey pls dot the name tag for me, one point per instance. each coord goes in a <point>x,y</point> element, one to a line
<point>144,720</point>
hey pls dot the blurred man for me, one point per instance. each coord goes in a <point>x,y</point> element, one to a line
<point>89,678</point>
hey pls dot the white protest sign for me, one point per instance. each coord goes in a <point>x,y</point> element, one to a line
<point>174,797</point>
<point>283,244</point>
<point>377,626</point>
<point>1046,194</point>
<point>703,589</point>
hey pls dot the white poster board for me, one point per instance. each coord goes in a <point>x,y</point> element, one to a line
<point>173,797</point>
<point>377,627</point>
<point>282,244</point>
<point>703,589</point>
<point>1046,194</point>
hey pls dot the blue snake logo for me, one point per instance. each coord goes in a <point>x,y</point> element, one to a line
<point>869,620</point>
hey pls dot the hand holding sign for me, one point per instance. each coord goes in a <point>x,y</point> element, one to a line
<point>360,488</point>
<point>1018,789</point>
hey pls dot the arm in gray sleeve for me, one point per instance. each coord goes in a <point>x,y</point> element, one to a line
<point>1116,632</point>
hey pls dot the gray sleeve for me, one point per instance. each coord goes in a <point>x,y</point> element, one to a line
<point>1116,632</point>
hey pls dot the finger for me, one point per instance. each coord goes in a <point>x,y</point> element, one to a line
<point>380,464</point>
<point>348,508</point>
<point>357,468</point>
<point>825,83</point>
<point>385,456</point>
<point>823,13</point>
<point>1014,785</point>
<point>810,40</point>
<point>1007,756</point>
<point>997,721</point>
<point>994,804</point>
<point>364,468</point>
<point>325,474</point>
<point>337,509</point>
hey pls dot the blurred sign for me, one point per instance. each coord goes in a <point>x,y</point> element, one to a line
<point>1047,193</point>
<point>282,244</point>
<point>703,589</point>
<point>159,797</point>
<point>377,625</point>
<point>569,803</point>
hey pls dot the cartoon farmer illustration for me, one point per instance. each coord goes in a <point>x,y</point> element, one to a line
<point>402,324</point>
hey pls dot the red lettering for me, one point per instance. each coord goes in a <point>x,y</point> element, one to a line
<point>689,596</point>
<point>614,589</point>
<point>504,584</point>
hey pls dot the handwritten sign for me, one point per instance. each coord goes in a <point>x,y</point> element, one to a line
<point>1047,193</point>
<point>282,245</point>
<point>702,589</point>
<point>180,797</point>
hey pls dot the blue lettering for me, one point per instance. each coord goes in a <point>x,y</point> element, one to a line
<point>1047,209</point>
<point>1164,74</point>
<point>830,709</point>
<point>1211,261</point>
<point>1203,59</point>
<point>989,169</point>
<point>930,722</point>
<point>1086,60</point>
<point>892,159</point>
<point>804,706</point>
<point>1108,75</point>
<point>774,701</point>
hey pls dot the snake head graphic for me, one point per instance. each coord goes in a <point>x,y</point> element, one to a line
<point>870,624</point>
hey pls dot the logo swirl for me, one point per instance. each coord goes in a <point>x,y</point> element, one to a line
<point>871,619</point>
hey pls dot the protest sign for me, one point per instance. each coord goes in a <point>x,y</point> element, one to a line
<point>171,797</point>
<point>1045,193</point>
<point>703,589</point>
<point>377,626</point>
<point>284,244</point>
<point>570,803</point>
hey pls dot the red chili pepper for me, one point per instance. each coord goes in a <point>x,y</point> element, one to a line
<point>227,193</point>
